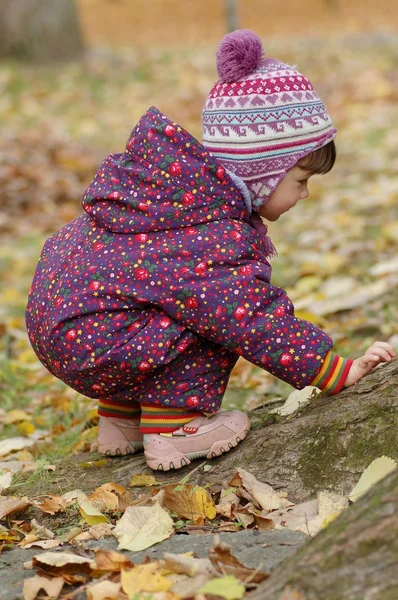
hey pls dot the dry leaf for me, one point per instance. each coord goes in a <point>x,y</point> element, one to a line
<point>52,504</point>
<point>144,578</point>
<point>262,493</point>
<point>376,471</point>
<point>5,480</point>
<point>52,586</point>
<point>90,514</point>
<point>187,565</point>
<point>63,563</point>
<point>139,480</point>
<point>106,497</point>
<point>13,444</point>
<point>103,590</point>
<point>109,560</point>
<point>189,502</point>
<point>226,564</point>
<point>228,502</point>
<point>45,544</point>
<point>10,505</point>
<point>227,587</point>
<point>297,399</point>
<point>143,526</point>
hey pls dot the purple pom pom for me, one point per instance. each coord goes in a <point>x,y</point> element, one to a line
<point>238,55</point>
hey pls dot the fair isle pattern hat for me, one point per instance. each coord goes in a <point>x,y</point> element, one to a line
<point>262,116</point>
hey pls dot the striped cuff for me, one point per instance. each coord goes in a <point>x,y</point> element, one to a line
<point>162,419</point>
<point>122,410</point>
<point>333,373</point>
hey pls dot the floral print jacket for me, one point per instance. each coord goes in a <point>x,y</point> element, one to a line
<point>166,232</point>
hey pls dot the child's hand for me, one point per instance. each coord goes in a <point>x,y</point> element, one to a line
<point>377,353</point>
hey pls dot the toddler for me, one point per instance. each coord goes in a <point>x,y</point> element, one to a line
<point>147,299</point>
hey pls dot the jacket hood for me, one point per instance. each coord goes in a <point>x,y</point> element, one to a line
<point>165,179</point>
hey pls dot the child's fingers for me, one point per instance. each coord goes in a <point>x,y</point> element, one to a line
<point>367,359</point>
<point>386,346</point>
<point>378,351</point>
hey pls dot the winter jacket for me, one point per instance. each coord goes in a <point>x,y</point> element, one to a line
<point>165,247</point>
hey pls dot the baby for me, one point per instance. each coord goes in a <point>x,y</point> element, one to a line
<point>147,300</point>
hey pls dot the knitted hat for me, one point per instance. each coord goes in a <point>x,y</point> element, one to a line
<point>262,116</point>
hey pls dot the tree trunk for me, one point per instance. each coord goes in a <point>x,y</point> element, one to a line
<point>356,557</point>
<point>39,30</point>
<point>324,446</point>
<point>232,15</point>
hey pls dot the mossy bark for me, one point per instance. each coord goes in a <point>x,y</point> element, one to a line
<point>324,446</point>
<point>355,557</point>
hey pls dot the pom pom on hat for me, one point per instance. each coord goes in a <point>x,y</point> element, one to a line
<point>238,55</point>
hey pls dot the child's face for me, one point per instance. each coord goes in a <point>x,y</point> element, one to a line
<point>290,190</point>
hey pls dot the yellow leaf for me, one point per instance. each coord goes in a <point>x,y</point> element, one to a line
<point>227,587</point>
<point>90,514</point>
<point>25,428</point>
<point>189,502</point>
<point>92,414</point>
<point>94,463</point>
<point>143,481</point>
<point>15,415</point>
<point>24,455</point>
<point>376,471</point>
<point>144,578</point>
<point>142,526</point>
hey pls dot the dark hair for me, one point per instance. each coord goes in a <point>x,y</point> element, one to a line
<point>320,161</point>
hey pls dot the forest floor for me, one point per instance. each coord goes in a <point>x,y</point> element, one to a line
<point>337,250</point>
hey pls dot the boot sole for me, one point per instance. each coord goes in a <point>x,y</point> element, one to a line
<point>121,449</point>
<point>179,460</point>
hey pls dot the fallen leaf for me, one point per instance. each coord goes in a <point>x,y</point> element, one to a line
<point>187,565</point>
<point>227,587</point>
<point>63,563</point>
<point>109,560</point>
<point>14,416</point>
<point>51,505</point>
<point>139,480</point>
<point>52,586</point>
<point>103,590</point>
<point>94,463</point>
<point>106,496</point>
<point>90,514</point>
<point>297,399</point>
<point>143,526</point>
<point>227,564</point>
<point>16,443</point>
<point>45,544</point>
<point>376,471</point>
<point>189,502</point>
<point>10,505</point>
<point>144,578</point>
<point>262,493</point>
<point>5,480</point>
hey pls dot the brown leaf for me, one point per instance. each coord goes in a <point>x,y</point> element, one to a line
<point>52,586</point>
<point>12,505</point>
<point>53,504</point>
<point>109,560</point>
<point>225,563</point>
<point>189,502</point>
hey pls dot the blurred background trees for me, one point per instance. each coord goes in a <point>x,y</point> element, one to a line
<point>39,30</point>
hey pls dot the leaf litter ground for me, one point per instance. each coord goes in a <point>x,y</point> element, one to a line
<point>337,251</point>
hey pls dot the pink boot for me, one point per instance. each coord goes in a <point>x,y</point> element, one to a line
<point>118,437</point>
<point>204,436</point>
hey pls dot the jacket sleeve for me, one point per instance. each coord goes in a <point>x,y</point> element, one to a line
<point>238,308</point>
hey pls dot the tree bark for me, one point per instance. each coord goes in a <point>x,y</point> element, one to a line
<point>354,558</point>
<point>39,30</point>
<point>323,446</point>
